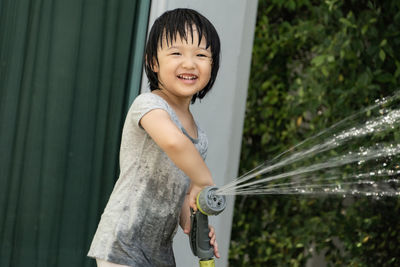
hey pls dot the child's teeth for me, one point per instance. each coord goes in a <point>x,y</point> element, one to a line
<point>187,77</point>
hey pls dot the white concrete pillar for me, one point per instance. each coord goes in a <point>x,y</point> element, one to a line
<point>221,112</point>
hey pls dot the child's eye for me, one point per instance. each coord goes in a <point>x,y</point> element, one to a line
<point>176,54</point>
<point>201,55</point>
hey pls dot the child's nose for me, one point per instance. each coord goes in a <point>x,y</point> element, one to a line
<point>188,63</point>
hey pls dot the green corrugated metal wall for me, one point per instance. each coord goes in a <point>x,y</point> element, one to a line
<point>67,72</point>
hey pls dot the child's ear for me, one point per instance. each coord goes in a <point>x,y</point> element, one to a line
<point>154,66</point>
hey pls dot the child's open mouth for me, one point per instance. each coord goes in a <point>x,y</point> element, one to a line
<point>187,77</point>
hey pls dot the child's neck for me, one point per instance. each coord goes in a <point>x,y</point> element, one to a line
<point>178,103</point>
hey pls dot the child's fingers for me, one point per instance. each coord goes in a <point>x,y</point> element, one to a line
<point>216,252</point>
<point>212,235</point>
<point>212,240</point>
<point>194,190</point>
<point>192,202</point>
<point>193,205</point>
<point>212,231</point>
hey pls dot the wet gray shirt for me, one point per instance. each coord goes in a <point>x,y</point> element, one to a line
<point>142,214</point>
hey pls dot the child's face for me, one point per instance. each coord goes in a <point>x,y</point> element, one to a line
<point>184,66</point>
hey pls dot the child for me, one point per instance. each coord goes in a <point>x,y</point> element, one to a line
<point>162,148</point>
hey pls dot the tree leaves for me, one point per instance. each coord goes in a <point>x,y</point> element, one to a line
<point>314,63</point>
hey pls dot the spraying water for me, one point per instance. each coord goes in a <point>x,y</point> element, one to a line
<point>359,155</point>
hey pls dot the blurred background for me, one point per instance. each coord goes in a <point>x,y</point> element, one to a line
<point>70,69</point>
<point>313,64</point>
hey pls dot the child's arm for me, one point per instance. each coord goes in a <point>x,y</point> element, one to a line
<point>158,124</point>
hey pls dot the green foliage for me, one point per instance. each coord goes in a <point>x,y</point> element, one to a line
<point>314,63</point>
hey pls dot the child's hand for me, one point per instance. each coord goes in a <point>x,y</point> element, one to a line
<point>193,192</point>
<point>213,241</point>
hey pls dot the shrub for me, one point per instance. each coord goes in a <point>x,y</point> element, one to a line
<point>314,63</point>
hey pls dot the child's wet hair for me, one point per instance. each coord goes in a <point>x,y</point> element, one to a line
<point>181,22</point>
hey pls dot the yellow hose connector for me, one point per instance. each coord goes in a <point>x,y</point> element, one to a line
<point>207,263</point>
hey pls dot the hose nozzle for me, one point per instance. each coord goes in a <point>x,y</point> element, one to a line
<point>209,203</point>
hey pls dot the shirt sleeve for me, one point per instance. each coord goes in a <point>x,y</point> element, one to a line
<point>145,103</point>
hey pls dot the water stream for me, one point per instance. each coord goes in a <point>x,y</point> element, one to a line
<point>359,155</point>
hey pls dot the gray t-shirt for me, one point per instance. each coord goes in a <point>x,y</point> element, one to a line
<point>142,214</point>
